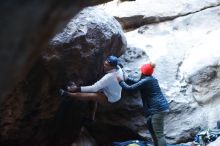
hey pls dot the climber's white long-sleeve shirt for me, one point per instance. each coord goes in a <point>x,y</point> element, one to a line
<point>108,84</point>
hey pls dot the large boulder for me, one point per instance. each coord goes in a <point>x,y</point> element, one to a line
<point>33,113</point>
<point>87,40</point>
<point>26,27</point>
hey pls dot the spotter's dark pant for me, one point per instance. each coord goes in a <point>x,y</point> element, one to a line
<point>155,124</point>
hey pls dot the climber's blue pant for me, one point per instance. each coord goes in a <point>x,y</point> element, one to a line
<point>155,124</point>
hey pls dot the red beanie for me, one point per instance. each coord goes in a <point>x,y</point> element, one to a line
<point>147,69</point>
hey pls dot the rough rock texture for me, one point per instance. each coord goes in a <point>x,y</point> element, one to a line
<point>85,42</point>
<point>188,69</point>
<point>186,51</point>
<point>33,113</point>
<point>26,27</point>
<point>137,13</point>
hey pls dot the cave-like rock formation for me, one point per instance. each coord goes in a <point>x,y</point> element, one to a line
<point>33,113</point>
<point>26,27</point>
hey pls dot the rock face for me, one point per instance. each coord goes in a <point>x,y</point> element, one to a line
<point>26,27</point>
<point>135,14</point>
<point>85,42</point>
<point>191,80</point>
<point>183,41</point>
<point>186,52</point>
<point>34,114</point>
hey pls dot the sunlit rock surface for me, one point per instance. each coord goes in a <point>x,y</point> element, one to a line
<point>156,7</point>
<point>133,14</point>
<point>186,52</point>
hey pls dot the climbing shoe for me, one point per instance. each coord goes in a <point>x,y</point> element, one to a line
<point>63,93</point>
